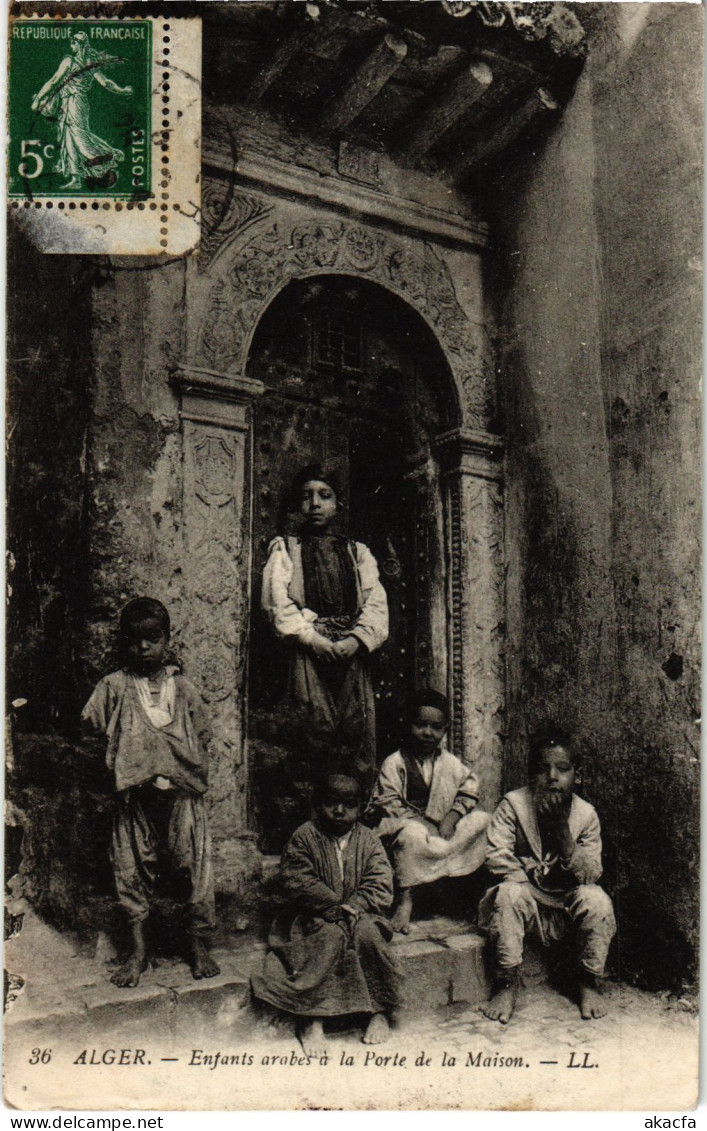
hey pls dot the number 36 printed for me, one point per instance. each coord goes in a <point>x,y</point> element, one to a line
<point>40,1056</point>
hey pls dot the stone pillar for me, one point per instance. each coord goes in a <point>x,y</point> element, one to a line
<point>431,659</point>
<point>215,412</point>
<point>471,463</point>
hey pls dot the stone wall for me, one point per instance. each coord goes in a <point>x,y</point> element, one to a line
<point>50,388</point>
<point>600,295</point>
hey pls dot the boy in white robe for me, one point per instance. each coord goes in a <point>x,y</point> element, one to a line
<point>424,804</point>
<point>545,854</point>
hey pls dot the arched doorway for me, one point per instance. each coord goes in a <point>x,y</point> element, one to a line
<point>354,379</point>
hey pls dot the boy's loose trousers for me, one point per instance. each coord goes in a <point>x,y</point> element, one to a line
<point>512,910</point>
<point>152,827</point>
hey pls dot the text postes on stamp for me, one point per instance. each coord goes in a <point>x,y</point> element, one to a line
<point>96,163</point>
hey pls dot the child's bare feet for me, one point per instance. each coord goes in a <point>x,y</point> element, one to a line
<point>128,974</point>
<point>403,912</point>
<point>202,964</point>
<point>377,1030</point>
<point>591,1004</point>
<point>311,1037</point>
<point>501,1006</point>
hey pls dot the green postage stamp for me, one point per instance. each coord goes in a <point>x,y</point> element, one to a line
<point>81,108</point>
<point>92,107</point>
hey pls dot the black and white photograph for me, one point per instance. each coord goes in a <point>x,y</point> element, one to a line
<point>353,521</point>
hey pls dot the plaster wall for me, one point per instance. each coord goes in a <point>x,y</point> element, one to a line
<point>52,833</point>
<point>601,311</point>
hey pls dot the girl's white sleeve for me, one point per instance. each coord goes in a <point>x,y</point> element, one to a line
<point>371,628</point>
<point>285,616</point>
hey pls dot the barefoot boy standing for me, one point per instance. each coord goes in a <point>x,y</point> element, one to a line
<point>152,719</point>
<point>545,852</point>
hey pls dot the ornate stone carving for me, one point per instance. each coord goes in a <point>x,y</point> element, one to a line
<point>276,254</point>
<point>257,271</point>
<point>541,19</point>
<point>358,164</point>
<point>250,273</point>
<point>218,667</point>
<point>360,249</point>
<point>216,569</point>
<point>224,213</point>
<point>253,269</point>
<point>225,331</point>
<point>481,619</point>
<point>316,244</point>
<point>409,274</point>
<point>456,593</point>
<point>476,596</point>
<point>216,580</point>
<point>214,470</point>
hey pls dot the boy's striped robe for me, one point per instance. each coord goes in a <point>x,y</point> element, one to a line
<point>321,963</point>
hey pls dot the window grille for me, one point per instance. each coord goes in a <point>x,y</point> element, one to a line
<point>337,341</point>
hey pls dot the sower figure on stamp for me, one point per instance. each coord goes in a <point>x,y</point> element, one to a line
<point>65,96</point>
<point>424,805</point>
<point>329,952</point>
<point>545,853</point>
<point>323,598</point>
<point>153,720</point>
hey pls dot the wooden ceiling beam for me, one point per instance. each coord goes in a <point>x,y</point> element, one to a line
<point>291,43</point>
<point>539,105</point>
<point>457,96</point>
<point>365,83</point>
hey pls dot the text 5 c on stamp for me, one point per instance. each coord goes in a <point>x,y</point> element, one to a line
<point>104,133</point>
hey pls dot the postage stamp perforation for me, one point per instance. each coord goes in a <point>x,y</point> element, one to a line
<point>164,63</point>
<point>92,130</point>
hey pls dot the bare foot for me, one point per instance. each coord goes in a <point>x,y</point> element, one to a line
<point>591,1005</point>
<point>403,912</point>
<point>202,964</point>
<point>73,182</point>
<point>311,1037</point>
<point>128,974</point>
<point>501,1006</point>
<point>377,1030</point>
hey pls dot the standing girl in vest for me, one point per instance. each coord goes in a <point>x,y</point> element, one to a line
<point>324,600</point>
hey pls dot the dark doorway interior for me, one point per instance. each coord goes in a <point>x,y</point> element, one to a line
<point>354,380</point>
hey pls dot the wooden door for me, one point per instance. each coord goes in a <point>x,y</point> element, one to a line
<point>340,391</point>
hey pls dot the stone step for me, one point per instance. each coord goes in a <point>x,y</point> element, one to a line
<point>442,970</point>
<point>70,995</point>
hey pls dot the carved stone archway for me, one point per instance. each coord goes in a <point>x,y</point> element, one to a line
<point>265,245</point>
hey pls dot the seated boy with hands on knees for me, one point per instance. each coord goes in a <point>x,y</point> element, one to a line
<point>153,721</point>
<point>424,805</point>
<point>545,854</point>
<point>329,954</point>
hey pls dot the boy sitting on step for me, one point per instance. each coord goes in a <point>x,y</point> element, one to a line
<point>424,806</point>
<point>329,951</point>
<point>545,853</point>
